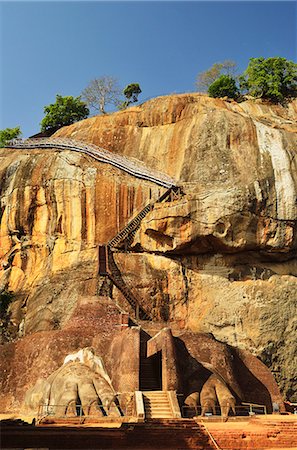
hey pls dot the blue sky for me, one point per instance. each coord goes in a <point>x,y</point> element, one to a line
<point>58,47</point>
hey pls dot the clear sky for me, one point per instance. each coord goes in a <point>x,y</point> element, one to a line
<point>58,47</point>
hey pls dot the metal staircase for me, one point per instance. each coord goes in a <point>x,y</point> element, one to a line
<point>126,235</point>
<point>121,242</point>
<point>115,276</point>
<point>134,224</point>
<point>130,227</point>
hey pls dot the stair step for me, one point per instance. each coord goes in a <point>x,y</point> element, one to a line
<point>158,416</point>
<point>157,398</point>
<point>158,410</point>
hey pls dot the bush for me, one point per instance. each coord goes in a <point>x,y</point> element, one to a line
<point>8,134</point>
<point>224,86</point>
<point>65,111</point>
<point>272,78</point>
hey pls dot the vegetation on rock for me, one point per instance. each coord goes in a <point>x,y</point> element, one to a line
<point>65,111</point>
<point>9,133</point>
<point>205,79</point>
<point>224,86</point>
<point>101,92</point>
<point>272,78</point>
<point>131,93</point>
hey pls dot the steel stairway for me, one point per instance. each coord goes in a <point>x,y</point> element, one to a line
<point>134,224</point>
<point>115,276</point>
<point>126,235</point>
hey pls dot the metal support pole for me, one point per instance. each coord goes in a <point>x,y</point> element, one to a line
<point>137,311</point>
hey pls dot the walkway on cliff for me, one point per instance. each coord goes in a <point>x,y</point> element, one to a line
<point>107,264</point>
<point>128,165</point>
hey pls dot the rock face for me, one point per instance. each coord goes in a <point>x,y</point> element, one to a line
<point>220,259</point>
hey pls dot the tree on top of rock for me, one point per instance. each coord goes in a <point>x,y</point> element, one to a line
<point>101,92</point>
<point>131,93</point>
<point>272,78</point>
<point>65,111</point>
<point>206,78</point>
<point>224,86</point>
<point>8,134</point>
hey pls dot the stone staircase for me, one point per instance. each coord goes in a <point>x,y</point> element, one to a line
<point>157,405</point>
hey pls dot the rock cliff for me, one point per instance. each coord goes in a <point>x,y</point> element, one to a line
<point>219,258</point>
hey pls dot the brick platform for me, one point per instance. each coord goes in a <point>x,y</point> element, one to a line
<point>256,433</point>
<point>259,432</point>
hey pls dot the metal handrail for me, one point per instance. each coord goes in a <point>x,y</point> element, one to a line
<point>50,410</point>
<point>133,167</point>
<point>248,408</point>
<point>255,405</point>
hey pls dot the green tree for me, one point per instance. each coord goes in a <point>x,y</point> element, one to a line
<point>271,78</point>
<point>101,92</point>
<point>205,79</point>
<point>224,86</point>
<point>8,134</point>
<point>131,93</point>
<point>65,111</point>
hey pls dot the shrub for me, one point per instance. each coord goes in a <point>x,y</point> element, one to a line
<point>272,78</point>
<point>65,111</point>
<point>8,134</point>
<point>224,86</point>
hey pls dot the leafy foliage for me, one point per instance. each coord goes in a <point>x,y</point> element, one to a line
<point>272,78</point>
<point>131,92</point>
<point>205,79</point>
<point>8,134</point>
<point>5,325</point>
<point>224,86</point>
<point>65,111</point>
<point>101,92</point>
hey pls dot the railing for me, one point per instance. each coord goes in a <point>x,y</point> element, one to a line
<point>75,412</point>
<point>107,264</point>
<point>172,194</point>
<point>246,409</point>
<point>255,408</point>
<point>133,167</point>
<point>116,277</point>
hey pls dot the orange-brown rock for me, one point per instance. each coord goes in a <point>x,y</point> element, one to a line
<point>219,259</point>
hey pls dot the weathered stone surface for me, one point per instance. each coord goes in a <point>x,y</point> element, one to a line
<point>81,380</point>
<point>226,260</point>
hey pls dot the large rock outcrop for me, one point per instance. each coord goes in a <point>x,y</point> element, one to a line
<point>221,258</point>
